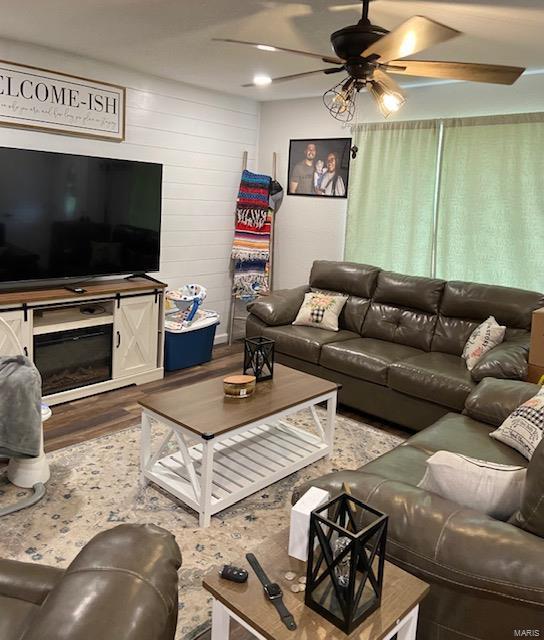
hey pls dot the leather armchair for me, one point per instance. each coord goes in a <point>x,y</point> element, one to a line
<point>122,585</point>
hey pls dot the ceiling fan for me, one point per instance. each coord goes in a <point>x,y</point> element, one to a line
<point>369,54</point>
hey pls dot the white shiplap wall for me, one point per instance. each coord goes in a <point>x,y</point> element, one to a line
<point>199,136</point>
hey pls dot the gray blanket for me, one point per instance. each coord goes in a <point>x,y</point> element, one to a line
<point>20,407</point>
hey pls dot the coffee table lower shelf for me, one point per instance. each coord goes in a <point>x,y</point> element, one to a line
<point>214,474</point>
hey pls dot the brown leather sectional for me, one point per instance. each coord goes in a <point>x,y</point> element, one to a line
<point>398,351</point>
<point>397,355</point>
<point>111,591</point>
<point>486,576</point>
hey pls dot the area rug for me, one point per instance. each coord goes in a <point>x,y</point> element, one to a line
<point>94,486</point>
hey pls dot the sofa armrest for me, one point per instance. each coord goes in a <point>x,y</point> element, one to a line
<point>440,541</point>
<point>493,400</point>
<point>123,584</point>
<point>281,307</point>
<point>27,581</point>
<point>507,360</point>
<point>437,538</point>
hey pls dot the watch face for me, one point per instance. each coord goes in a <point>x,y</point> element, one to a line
<point>273,590</point>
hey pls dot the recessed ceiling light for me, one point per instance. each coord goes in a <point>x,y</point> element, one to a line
<point>262,80</point>
<point>266,47</point>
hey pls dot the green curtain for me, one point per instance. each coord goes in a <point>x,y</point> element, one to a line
<point>391,192</point>
<point>490,224</point>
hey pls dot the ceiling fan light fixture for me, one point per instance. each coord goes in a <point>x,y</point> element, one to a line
<point>261,80</point>
<point>340,99</point>
<point>388,101</point>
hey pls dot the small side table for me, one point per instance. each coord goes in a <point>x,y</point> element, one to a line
<point>246,603</point>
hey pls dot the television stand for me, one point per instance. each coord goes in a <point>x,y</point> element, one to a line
<point>75,289</point>
<point>144,276</point>
<point>125,334</point>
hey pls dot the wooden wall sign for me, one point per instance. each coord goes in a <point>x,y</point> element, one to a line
<point>36,98</point>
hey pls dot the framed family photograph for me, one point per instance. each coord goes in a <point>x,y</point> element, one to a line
<point>319,167</point>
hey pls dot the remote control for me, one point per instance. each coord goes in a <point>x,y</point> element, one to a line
<point>76,289</point>
<point>234,574</point>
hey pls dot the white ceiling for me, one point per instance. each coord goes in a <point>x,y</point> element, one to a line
<point>172,38</point>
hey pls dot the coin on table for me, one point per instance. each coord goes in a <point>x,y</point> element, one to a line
<point>302,580</point>
<point>295,588</point>
<point>290,576</point>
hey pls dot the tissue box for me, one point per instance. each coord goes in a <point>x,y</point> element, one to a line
<point>299,530</point>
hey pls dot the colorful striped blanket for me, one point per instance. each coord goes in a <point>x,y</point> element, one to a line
<point>251,246</point>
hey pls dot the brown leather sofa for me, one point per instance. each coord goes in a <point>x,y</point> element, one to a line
<point>121,586</point>
<point>397,354</point>
<point>486,576</point>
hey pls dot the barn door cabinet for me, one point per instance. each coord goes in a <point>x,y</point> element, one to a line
<point>83,344</point>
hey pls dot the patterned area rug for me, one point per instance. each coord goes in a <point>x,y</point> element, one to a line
<point>94,486</point>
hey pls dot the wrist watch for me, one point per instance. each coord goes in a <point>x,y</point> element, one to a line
<point>273,592</point>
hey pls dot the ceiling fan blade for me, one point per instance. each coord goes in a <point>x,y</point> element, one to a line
<point>493,73</point>
<point>293,76</point>
<point>414,35</point>
<point>269,47</point>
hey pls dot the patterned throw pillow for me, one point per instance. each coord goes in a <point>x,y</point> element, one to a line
<point>523,429</point>
<point>320,310</point>
<point>486,336</point>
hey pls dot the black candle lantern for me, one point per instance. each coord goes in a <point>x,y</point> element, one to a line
<point>259,357</point>
<point>345,561</point>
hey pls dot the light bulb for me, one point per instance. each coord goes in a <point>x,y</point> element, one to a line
<point>392,101</point>
<point>262,80</point>
<point>341,102</point>
<point>388,100</point>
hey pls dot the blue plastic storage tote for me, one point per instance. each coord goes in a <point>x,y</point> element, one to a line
<point>191,345</point>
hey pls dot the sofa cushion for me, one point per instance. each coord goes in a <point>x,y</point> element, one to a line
<point>304,342</point>
<point>461,434</point>
<point>397,324</point>
<point>512,307</point>
<point>492,401</point>
<point>404,464</point>
<point>437,377</point>
<point>364,358</point>
<point>345,277</point>
<point>413,292</point>
<point>465,305</point>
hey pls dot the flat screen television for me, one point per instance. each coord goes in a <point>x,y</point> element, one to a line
<point>70,216</point>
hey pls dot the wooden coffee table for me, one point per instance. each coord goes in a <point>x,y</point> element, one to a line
<point>228,448</point>
<point>247,604</point>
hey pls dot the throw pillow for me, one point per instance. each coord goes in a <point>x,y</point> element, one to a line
<point>320,310</point>
<point>486,487</point>
<point>487,335</point>
<point>531,512</point>
<point>522,430</point>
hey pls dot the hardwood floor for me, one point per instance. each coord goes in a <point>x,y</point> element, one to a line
<point>81,420</point>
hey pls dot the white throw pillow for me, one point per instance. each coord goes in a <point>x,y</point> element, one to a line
<point>320,310</point>
<point>487,487</point>
<point>523,429</point>
<point>487,335</point>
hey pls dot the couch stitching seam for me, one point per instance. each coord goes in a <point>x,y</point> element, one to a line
<point>127,571</point>
<point>461,584</point>
<point>439,540</point>
<point>536,507</point>
<point>466,573</point>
